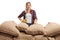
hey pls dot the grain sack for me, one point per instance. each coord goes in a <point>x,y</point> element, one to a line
<point>22,26</point>
<point>51,38</point>
<point>40,37</point>
<point>5,37</point>
<point>9,27</point>
<point>57,37</point>
<point>35,29</point>
<point>52,29</point>
<point>23,36</point>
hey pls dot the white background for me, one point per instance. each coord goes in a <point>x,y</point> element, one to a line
<point>46,10</point>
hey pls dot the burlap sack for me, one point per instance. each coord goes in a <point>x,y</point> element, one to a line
<point>51,38</point>
<point>52,29</point>
<point>23,36</point>
<point>40,37</point>
<point>22,26</point>
<point>9,27</point>
<point>57,37</point>
<point>5,37</point>
<point>35,29</point>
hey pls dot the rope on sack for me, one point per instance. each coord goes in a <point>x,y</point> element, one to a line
<point>47,37</point>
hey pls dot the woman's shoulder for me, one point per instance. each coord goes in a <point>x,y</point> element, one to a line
<point>32,10</point>
<point>23,11</point>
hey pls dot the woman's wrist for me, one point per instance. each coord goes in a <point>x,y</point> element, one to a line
<point>35,21</point>
<point>20,19</point>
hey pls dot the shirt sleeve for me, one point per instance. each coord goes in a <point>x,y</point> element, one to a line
<point>21,15</point>
<point>35,17</point>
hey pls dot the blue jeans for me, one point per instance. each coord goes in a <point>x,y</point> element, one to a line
<point>29,24</point>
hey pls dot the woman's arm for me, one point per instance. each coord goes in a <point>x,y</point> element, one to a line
<point>35,21</point>
<point>35,18</point>
<point>19,17</point>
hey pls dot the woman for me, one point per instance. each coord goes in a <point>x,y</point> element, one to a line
<point>29,15</point>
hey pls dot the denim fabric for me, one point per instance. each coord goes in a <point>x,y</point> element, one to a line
<point>29,24</point>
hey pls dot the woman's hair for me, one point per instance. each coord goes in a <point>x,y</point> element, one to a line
<point>28,3</point>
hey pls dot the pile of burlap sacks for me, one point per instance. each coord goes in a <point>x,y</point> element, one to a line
<point>9,30</point>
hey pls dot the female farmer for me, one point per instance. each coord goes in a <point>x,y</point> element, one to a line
<point>28,14</point>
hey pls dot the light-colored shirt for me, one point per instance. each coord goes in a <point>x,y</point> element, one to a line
<point>28,18</point>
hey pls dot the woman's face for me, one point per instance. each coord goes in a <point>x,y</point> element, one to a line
<point>28,6</point>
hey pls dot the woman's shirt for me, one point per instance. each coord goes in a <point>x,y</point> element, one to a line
<point>28,18</point>
<point>32,12</point>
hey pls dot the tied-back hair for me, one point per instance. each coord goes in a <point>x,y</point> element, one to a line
<point>28,3</point>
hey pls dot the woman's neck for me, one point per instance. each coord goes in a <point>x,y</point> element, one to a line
<point>28,10</point>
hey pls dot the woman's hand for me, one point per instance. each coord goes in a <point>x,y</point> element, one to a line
<point>35,21</point>
<point>20,19</point>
